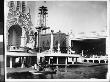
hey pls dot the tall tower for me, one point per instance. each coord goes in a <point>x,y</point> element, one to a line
<point>43,15</point>
<point>18,24</point>
<point>42,24</point>
<point>43,12</point>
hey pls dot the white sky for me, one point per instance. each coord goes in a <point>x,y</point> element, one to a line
<point>78,16</point>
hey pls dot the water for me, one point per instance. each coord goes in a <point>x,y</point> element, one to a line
<point>73,72</point>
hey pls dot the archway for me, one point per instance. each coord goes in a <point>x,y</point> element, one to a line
<point>14,37</point>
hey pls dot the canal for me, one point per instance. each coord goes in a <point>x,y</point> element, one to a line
<point>72,72</point>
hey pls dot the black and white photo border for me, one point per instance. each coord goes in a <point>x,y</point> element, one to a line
<point>60,80</point>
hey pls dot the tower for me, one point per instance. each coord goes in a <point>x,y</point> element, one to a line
<point>43,15</point>
<point>18,24</point>
<point>42,23</point>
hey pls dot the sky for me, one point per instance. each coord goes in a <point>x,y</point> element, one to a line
<point>75,16</point>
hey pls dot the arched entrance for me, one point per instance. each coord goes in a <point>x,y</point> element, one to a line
<point>14,37</point>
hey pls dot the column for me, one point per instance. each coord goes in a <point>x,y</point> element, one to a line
<point>51,46</point>
<point>82,53</point>
<point>35,65</point>
<point>105,61</point>
<point>69,50</point>
<point>72,60</point>
<point>49,60</point>
<point>22,61</point>
<point>58,47</point>
<point>57,64</point>
<point>66,64</point>
<point>57,60</point>
<point>23,38</point>
<point>37,40</point>
<point>93,60</point>
<point>10,62</point>
<point>99,61</point>
<point>87,60</point>
<point>66,61</point>
<point>76,59</point>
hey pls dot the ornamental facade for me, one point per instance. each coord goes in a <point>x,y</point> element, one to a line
<point>18,26</point>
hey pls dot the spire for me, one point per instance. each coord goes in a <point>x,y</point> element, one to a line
<point>43,12</point>
<point>18,6</point>
<point>43,15</point>
<point>23,7</point>
<point>11,6</point>
<point>28,15</point>
<point>29,18</point>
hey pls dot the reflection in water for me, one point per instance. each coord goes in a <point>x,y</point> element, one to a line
<point>98,72</point>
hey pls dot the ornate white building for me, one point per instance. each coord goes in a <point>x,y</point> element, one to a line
<point>19,25</point>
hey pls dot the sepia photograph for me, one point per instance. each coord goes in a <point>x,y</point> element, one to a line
<point>56,40</point>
